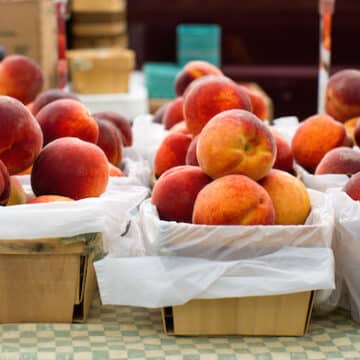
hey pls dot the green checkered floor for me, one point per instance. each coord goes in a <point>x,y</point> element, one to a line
<point>134,333</point>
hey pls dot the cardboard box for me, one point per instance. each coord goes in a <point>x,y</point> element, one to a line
<point>99,71</point>
<point>28,27</point>
<point>87,42</point>
<point>279,315</point>
<point>46,280</point>
<point>98,6</point>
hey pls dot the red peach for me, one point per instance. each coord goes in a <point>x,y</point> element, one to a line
<point>20,78</point>
<point>115,171</point>
<point>284,157</point>
<point>181,127</point>
<point>259,103</point>
<point>4,184</point>
<point>173,113</point>
<point>159,114</point>
<point>210,95</point>
<point>67,118</point>
<point>17,192</point>
<point>120,122</point>
<point>233,200</point>
<point>20,135</point>
<point>236,142</point>
<point>70,167</point>
<point>191,158</point>
<point>350,126</point>
<point>175,192</point>
<point>352,187</point>
<point>49,198</point>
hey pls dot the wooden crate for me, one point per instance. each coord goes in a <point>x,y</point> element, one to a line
<point>88,42</point>
<point>98,6</point>
<point>46,280</point>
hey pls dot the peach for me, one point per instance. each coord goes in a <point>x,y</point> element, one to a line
<point>27,171</point>
<point>110,141</point>
<point>233,200</point>
<point>191,158</point>
<point>236,142</point>
<point>173,113</point>
<point>181,127</point>
<point>289,196</point>
<point>352,187</point>
<point>67,117</point>
<point>20,135</point>
<point>49,198</point>
<point>191,71</point>
<point>356,135</point>
<point>159,113</point>
<point>115,171</point>
<point>350,126</point>
<point>343,95</point>
<point>120,122</point>
<point>175,192</point>
<point>4,184</point>
<point>17,192</point>
<point>20,78</point>
<point>341,160</point>
<point>171,152</point>
<point>209,96</point>
<point>70,167</point>
<point>48,96</point>
<point>284,157</point>
<point>259,103</point>
<point>316,136</point>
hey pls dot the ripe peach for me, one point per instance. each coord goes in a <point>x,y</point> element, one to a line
<point>48,96</point>
<point>316,136</point>
<point>171,153</point>
<point>343,95</point>
<point>110,141</point>
<point>175,192</point>
<point>20,78</point>
<point>236,142</point>
<point>209,96</point>
<point>173,113</point>
<point>20,135</point>
<point>284,157</point>
<point>181,127</point>
<point>357,134</point>
<point>115,171</point>
<point>289,197</point>
<point>4,184</point>
<point>120,122</point>
<point>233,200</point>
<point>352,187</point>
<point>341,160</point>
<point>67,117</point>
<point>259,103</point>
<point>17,192</point>
<point>159,113</point>
<point>191,71</point>
<point>70,167</point>
<point>191,158</point>
<point>48,198</point>
<point>27,171</point>
<point>350,126</point>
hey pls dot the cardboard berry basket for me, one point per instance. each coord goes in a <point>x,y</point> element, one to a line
<point>224,280</point>
<point>47,252</point>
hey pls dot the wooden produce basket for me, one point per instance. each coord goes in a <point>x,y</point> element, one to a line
<point>277,315</point>
<point>98,6</point>
<point>47,280</point>
<point>101,71</point>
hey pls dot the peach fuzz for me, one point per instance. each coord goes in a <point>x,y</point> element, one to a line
<point>341,160</point>
<point>233,200</point>
<point>17,192</point>
<point>110,141</point>
<point>191,158</point>
<point>171,152</point>
<point>194,70</point>
<point>70,167</point>
<point>115,171</point>
<point>174,193</point>
<point>236,142</point>
<point>343,95</point>
<point>67,118</point>
<point>120,122</point>
<point>48,96</point>
<point>173,113</point>
<point>352,187</point>
<point>4,184</point>
<point>20,78</point>
<point>259,103</point>
<point>210,95</point>
<point>159,113</point>
<point>49,198</point>
<point>284,157</point>
<point>180,127</point>
<point>289,196</point>
<point>21,138</point>
<point>316,136</point>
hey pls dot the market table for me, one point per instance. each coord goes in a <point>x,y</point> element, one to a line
<point>120,332</point>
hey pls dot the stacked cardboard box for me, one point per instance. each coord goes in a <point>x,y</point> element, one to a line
<point>99,23</point>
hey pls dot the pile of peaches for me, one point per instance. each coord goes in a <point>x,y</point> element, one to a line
<point>220,163</point>
<point>50,135</point>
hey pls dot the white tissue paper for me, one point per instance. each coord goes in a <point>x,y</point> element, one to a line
<point>286,126</point>
<point>185,261</point>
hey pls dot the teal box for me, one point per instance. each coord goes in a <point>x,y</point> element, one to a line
<point>160,79</point>
<point>198,42</point>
